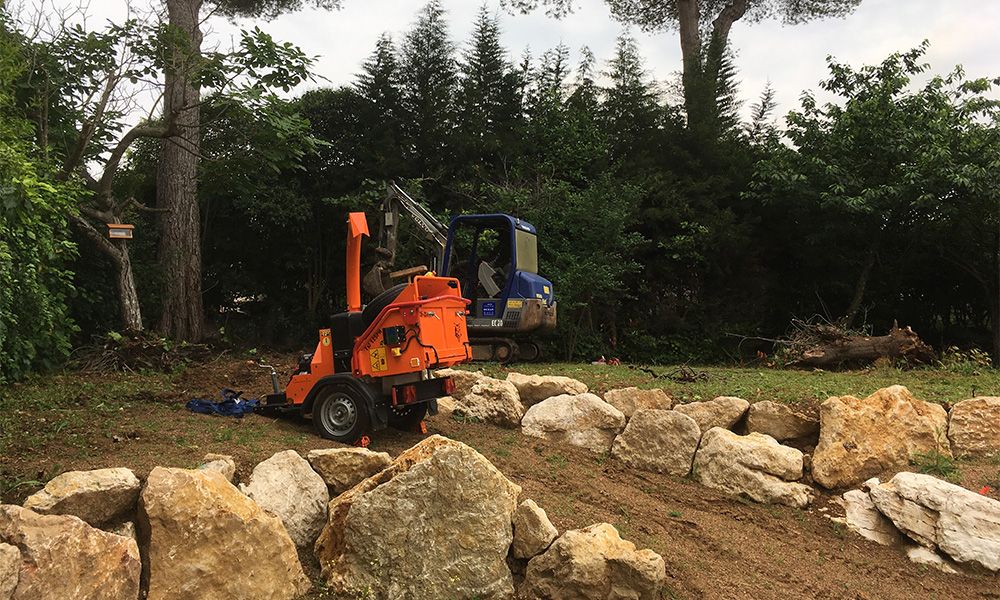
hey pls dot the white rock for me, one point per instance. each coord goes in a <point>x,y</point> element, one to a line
<point>724,412</point>
<point>10,567</point>
<point>755,465</point>
<point>533,532</point>
<point>630,399</point>
<point>536,388</point>
<point>97,496</point>
<point>974,427</point>
<point>926,556</point>
<point>780,421</point>
<point>662,441</point>
<point>583,420</point>
<point>962,524</point>
<point>594,563</point>
<point>864,519</point>
<point>343,468</point>
<point>493,401</point>
<point>223,463</point>
<point>464,380</point>
<point>286,486</point>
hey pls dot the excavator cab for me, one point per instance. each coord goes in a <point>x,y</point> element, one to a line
<point>495,258</point>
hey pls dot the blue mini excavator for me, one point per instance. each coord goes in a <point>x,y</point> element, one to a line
<point>494,257</point>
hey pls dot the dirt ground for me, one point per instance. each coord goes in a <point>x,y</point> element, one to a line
<point>714,545</point>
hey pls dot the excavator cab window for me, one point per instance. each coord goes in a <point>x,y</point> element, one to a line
<point>481,258</point>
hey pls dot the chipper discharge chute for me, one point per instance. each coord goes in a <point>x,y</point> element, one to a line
<point>372,367</point>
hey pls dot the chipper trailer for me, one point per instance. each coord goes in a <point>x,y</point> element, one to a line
<point>372,367</point>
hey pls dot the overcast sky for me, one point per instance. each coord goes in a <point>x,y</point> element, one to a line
<point>792,58</point>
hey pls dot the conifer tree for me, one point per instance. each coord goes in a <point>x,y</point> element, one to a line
<point>429,76</point>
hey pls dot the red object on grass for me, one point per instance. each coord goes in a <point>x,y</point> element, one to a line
<point>985,491</point>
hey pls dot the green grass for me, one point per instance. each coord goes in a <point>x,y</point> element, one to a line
<point>937,464</point>
<point>790,386</point>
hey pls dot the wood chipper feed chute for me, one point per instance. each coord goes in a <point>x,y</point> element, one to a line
<point>423,328</point>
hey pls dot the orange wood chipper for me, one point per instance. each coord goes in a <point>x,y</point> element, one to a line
<point>372,367</point>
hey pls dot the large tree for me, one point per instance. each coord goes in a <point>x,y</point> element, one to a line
<point>177,188</point>
<point>703,27</point>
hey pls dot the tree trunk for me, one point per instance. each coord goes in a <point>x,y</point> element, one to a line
<point>177,183</point>
<point>689,23</point>
<point>862,284</point>
<point>863,350</point>
<point>700,75</point>
<point>128,295</point>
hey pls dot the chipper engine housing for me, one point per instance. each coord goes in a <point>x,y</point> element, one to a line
<point>372,367</point>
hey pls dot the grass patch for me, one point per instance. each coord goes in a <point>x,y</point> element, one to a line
<point>937,464</point>
<point>942,385</point>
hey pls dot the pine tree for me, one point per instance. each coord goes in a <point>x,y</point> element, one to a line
<point>490,98</point>
<point>380,110</point>
<point>630,105</point>
<point>585,91</point>
<point>429,75</point>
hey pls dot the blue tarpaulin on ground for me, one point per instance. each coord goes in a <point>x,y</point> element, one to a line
<point>231,405</point>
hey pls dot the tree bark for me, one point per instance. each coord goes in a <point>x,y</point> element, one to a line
<point>128,295</point>
<point>700,74</point>
<point>177,183</point>
<point>861,286</point>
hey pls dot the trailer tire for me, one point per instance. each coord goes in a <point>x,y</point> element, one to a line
<point>340,413</point>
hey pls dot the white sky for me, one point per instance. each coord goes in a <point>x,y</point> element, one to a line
<point>792,58</point>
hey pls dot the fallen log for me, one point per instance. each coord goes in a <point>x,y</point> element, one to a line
<point>833,349</point>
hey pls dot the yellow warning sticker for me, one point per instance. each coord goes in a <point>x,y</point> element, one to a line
<point>378,359</point>
<point>546,289</point>
<point>515,304</point>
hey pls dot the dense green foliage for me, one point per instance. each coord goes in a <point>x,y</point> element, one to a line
<point>879,205</point>
<point>35,285</point>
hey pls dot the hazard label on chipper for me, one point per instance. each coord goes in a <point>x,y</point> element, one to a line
<point>378,359</point>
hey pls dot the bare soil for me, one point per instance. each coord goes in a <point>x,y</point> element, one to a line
<point>714,545</point>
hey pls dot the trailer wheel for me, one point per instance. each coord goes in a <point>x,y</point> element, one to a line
<point>340,414</point>
<point>407,418</point>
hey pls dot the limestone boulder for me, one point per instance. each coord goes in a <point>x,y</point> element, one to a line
<point>961,524</point>
<point>223,463</point>
<point>925,556</point>
<point>343,468</point>
<point>582,420</point>
<point>863,518</point>
<point>493,401</point>
<point>464,380</point>
<point>724,412</point>
<point>536,388</point>
<point>203,539</point>
<point>533,532</point>
<point>780,421</point>
<point>97,497</point>
<point>447,406</point>
<point>61,556</point>
<point>754,465</point>
<point>286,486</point>
<point>594,563</point>
<point>662,441</point>
<point>630,399</point>
<point>860,438</point>
<point>10,568</point>
<point>436,523</point>
<point>974,427</point>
